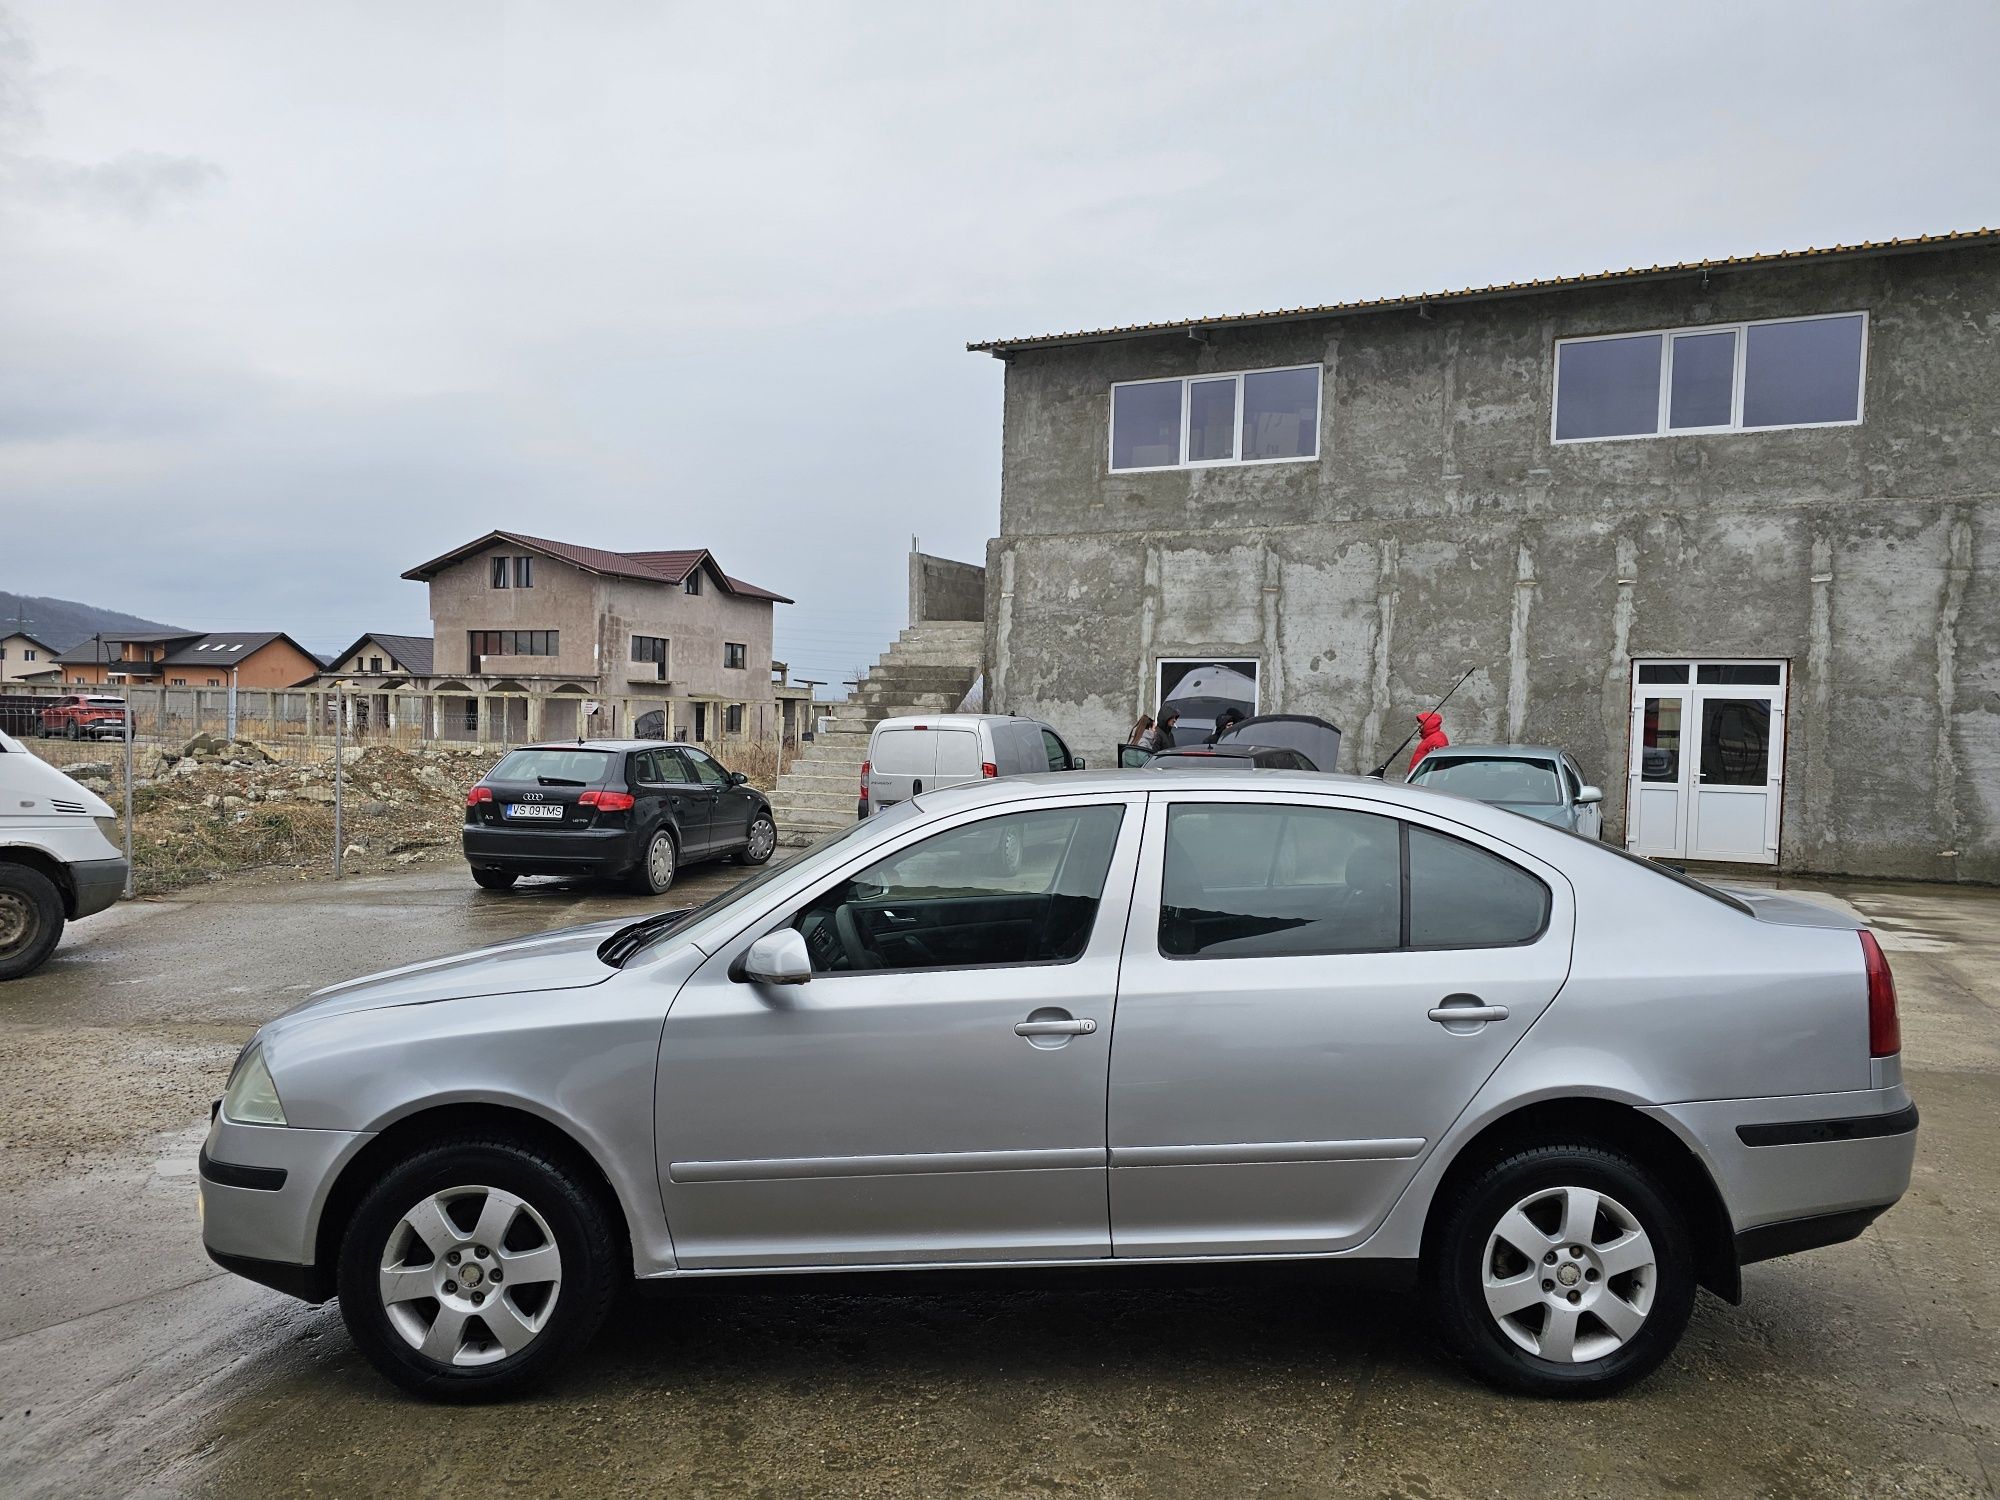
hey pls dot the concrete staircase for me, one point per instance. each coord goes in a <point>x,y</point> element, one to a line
<point>928,670</point>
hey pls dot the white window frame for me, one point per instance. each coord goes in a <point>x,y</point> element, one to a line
<point>1161,663</point>
<point>1666,337</point>
<point>1236,423</point>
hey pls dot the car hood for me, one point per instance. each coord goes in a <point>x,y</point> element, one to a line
<point>565,959</point>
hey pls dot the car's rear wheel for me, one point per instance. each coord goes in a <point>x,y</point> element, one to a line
<point>1563,1270</point>
<point>31,920</point>
<point>656,869</point>
<point>74,731</point>
<point>763,840</point>
<point>476,1267</point>
<point>494,880</point>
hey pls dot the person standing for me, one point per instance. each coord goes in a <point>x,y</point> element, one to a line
<point>1163,733</point>
<point>1225,721</point>
<point>1142,732</point>
<point>1434,737</point>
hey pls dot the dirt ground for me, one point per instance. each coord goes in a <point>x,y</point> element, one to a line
<point>130,1365</point>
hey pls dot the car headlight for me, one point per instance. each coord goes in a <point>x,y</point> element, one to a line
<point>111,830</point>
<point>252,1098</point>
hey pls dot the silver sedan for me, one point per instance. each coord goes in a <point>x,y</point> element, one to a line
<point>1092,1019</point>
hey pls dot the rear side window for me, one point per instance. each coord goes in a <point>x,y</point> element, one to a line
<point>957,753</point>
<point>1252,880</point>
<point>1248,881</point>
<point>904,752</point>
<point>1464,897</point>
<point>554,767</point>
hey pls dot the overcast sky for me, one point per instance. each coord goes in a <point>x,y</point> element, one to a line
<point>295,296</point>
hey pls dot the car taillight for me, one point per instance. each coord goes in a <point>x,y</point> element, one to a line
<point>865,767</point>
<point>989,770</point>
<point>606,801</point>
<point>478,795</point>
<point>1885,1032</point>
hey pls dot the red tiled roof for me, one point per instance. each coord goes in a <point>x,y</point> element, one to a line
<point>1498,289</point>
<point>651,567</point>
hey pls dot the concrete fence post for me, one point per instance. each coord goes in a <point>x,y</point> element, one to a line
<point>130,884</point>
<point>339,772</point>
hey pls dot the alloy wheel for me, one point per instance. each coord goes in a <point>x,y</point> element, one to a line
<point>1569,1274</point>
<point>470,1275</point>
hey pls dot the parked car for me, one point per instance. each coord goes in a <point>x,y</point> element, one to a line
<point>59,857</point>
<point>636,810</point>
<point>1284,742</point>
<point>917,752</point>
<point>84,716</point>
<point>1536,781</point>
<point>1224,756</point>
<point>1290,1016</point>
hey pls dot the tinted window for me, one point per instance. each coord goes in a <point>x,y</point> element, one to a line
<point>1608,387</point>
<point>667,768</point>
<point>1020,888</point>
<point>1211,420</point>
<point>1146,425</point>
<point>706,771</point>
<point>1058,757</point>
<point>1462,897</point>
<point>554,767</point>
<point>1806,371</point>
<point>1253,881</point>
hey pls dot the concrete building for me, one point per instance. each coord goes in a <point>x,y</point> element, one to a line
<point>1725,530</point>
<point>23,658</point>
<point>535,631</point>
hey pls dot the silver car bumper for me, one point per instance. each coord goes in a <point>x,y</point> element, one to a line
<point>263,1188</point>
<point>1805,1170</point>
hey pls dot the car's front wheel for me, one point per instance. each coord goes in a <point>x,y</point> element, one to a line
<point>1563,1270</point>
<point>475,1267</point>
<point>31,920</point>
<point>762,841</point>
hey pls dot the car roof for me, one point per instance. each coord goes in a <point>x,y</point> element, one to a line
<point>1227,776</point>
<point>951,721</point>
<point>608,745</point>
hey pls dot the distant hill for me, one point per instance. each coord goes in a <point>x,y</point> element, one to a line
<point>64,623</point>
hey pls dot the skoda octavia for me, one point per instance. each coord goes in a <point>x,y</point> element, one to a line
<point>1095,1019</point>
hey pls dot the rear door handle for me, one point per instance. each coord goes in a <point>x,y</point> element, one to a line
<point>1082,1027</point>
<point>1450,1015</point>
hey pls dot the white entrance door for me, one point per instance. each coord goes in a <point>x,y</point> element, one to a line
<point>1707,760</point>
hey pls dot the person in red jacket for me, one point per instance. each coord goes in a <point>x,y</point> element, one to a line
<point>1434,737</point>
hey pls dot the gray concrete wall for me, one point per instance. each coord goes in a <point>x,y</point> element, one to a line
<point>1441,529</point>
<point>941,589</point>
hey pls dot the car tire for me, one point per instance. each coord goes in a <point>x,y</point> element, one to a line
<point>654,874</point>
<point>494,880</point>
<point>417,1314</point>
<point>763,841</point>
<point>72,731</point>
<point>31,920</point>
<point>1597,1296</point>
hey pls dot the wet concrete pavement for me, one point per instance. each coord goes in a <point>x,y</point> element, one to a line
<point>129,1364</point>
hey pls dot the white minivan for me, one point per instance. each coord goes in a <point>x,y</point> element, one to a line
<point>922,752</point>
<point>59,858</point>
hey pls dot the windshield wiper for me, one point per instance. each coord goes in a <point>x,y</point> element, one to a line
<point>629,939</point>
<point>558,781</point>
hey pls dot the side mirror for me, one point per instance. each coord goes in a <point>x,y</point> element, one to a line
<point>1076,763</point>
<point>1588,795</point>
<point>737,778</point>
<point>778,958</point>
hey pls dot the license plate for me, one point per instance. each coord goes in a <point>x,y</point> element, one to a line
<point>535,810</point>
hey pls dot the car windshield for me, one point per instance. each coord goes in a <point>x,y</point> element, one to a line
<point>1491,778</point>
<point>554,767</point>
<point>628,942</point>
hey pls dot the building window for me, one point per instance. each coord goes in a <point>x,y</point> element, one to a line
<point>501,572</point>
<point>27,656</point>
<point>524,572</point>
<point>1249,417</point>
<point>1724,377</point>
<point>652,648</point>
<point>692,583</point>
<point>180,682</point>
<point>375,664</point>
<point>732,719</point>
<point>513,642</point>
<point>734,654</point>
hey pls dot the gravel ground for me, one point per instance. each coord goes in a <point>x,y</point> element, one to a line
<point>129,1365</point>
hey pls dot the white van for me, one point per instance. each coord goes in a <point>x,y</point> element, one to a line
<point>922,752</point>
<point>58,857</point>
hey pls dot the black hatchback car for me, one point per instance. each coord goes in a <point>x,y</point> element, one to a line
<point>635,810</point>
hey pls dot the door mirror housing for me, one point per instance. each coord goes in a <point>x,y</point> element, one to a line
<point>778,958</point>
<point>1587,795</point>
<point>737,778</point>
<point>1076,763</point>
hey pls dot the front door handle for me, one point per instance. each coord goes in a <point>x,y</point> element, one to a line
<point>1468,1010</point>
<point>1083,1027</point>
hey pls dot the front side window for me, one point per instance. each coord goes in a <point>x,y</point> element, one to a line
<point>734,654</point>
<point>1731,377</point>
<point>706,771</point>
<point>1057,753</point>
<point>1023,888</point>
<point>1265,880</point>
<point>1252,416</point>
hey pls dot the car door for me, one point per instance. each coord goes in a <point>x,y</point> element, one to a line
<point>730,805</point>
<point>698,798</point>
<point>935,1092</point>
<point>1589,816</point>
<point>664,786</point>
<point>1286,1050</point>
<point>901,762</point>
<point>1056,751</point>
